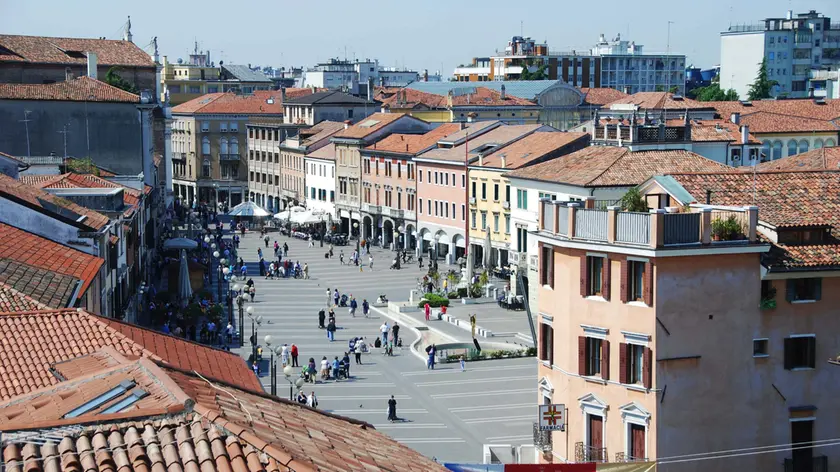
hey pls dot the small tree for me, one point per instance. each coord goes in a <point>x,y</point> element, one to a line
<point>114,79</point>
<point>633,201</point>
<point>763,85</point>
<point>674,89</point>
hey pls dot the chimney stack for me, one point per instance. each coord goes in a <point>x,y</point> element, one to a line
<point>91,65</point>
<point>735,118</point>
<point>745,134</point>
<point>504,161</point>
<point>282,94</point>
<point>502,94</point>
<point>68,74</point>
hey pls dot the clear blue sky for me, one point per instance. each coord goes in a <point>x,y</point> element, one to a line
<point>431,34</point>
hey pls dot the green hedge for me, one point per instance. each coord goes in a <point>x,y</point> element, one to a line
<point>434,301</point>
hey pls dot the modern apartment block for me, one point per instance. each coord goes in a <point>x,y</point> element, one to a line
<point>793,46</point>
<point>618,64</point>
<point>356,77</point>
<point>666,336</point>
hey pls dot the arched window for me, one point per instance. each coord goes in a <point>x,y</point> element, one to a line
<point>791,147</point>
<point>765,150</point>
<point>830,142</point>
<point>205,168</point>
<point>803,146</point>
<point>818,143</point>
<point>777,150</point>
<point>234,146</point>
<point>205,146</point>
<point>223,146</point>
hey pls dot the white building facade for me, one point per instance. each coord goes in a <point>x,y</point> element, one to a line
<point>320,180</point>
<point>793,46</point>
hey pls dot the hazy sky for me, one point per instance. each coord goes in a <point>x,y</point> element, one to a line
<point>431,34</point>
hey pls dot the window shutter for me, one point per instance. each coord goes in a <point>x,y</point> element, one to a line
<point>648,283</point>
<point>625,274</point>
<point>622,363</point>
<point>582,355</point>
<point>605,279</point>
<point>817,289</point>
<point>584,277</point>
<point>789,350</point>
<point>790,290</point>
<point>605,360</point>
<point>648,368</point>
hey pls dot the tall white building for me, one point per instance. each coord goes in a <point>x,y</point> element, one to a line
<point>355,76</point>
<point>793,46</point>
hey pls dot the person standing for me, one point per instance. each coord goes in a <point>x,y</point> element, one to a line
<point>284,355</point>
<point>335,297</point>
<point>472,325</point>
<point>285,249</point>
<point>365,307</point>
<point>420,261</point>
<point>329,295</point>
<point>428,310</point>
<point>331,330</point>
<point>357,350</point>
<point>321,318</point>
<point>294,352</point>
<point>430,363</point>
<point>396,333</point>
<point>252,292</point>
<point>392,409</point>
<point>463,364</point>
<point>311,241</point>
<point>370,261</point>
<point>305,271</point>
<point>229,332</point>
<point>266,238</point>
<point>312,402</point>
<point>346,361</point>
<point>384,330</point>
<point>341,257</point>
<point>335,365</point>
<point>353,305</point>
<point>325,368</point>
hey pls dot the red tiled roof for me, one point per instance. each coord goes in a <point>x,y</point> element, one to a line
<point>601,96</point>
<point>321,131</point>
<point>783,116</point>
<point>81,89</point>
<point>370,125</point>
<point>768,122</point>
<point>407,98</point>
<point>261,102</point>
<point>14,189</point>
<point>658,101</point>
<point>194,422</point>
<point>131,196</point>
<point>27,248</point>
<point>49,288</point>
<point>45,50</point>
<point>827,158</point>
<point>487,97</point>
<point>535,147</point>
<point>414,143</point>
<point>30,342</point>
<point>13,300</point>
<point>714,131</point>
<point>604,166</point>
<point>498,136</point>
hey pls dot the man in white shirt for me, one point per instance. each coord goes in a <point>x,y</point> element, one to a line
<point>384,330</point>
<point>284,354</point>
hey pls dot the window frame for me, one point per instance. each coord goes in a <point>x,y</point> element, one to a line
<point>766,343</point>
<point>810,353</point>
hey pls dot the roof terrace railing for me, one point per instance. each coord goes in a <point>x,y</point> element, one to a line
<point>695,225</point>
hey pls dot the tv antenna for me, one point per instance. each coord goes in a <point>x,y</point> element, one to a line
<point>25,122</point>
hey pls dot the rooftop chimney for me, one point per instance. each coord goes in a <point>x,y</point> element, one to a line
<point>745,134</point>
<point>91,65</point>
<point>502,94</point>
<point>68,74</point>
<point>504,161</point>
<point>283,94</point>
<point>735,118</point>
<point>789,15</point>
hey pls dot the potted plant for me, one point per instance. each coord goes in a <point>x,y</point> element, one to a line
<point>718,229</point>
<point>732,228</point>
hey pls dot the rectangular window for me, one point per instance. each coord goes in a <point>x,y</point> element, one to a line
<point>635,364</point>
<point>800,352</point>
<point>495,192</point>
<point>507,193</point>
<point>437,207</point>
<point>474,194</point>
<point>595,272</point>
<point>547,343</point>
<point>522,199</point>
<point>429,176</point>
<point>445,209</point>
<point>453,211</point>
<point>484,190</point>
<point>547,266</point>
<point>429,207</point>
<point>593,357</point>
<point>453,179</point>
<point>436,178</point>
<point>332,195</point>
<point>420,174</point>
<point>472,217</point>
<point>483,220</point>
<point>507,224</point>
<point>495,222</point>
<point>463,180</point>
<point>802,290</point>
<point>421,204</point>
<point>636,281</point>
<point>446,179</point>
<point>463,212</point>
<point>761,347</point>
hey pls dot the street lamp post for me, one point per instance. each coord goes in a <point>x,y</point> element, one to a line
<point>358,237</point>
<point>287,372</point>
<point>240,300</point>
<point>255,322</point>
<point>437,238</point>
<point>272,364</point>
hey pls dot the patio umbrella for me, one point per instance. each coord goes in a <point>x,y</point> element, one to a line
<point>306,217</point>
<point>487,250</point>
<point>248,209</point>
<point>184,285</point>
<point>179,243</point>
<point>286,214</point>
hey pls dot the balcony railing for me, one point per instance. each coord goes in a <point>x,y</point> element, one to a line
<point>584,453</point>
<point>657,229</point>
<point>818,464</point>
<point>372,209</point>
<point>179,156</point>
<point>395,213</point>
<point>622,457</point>
<point>228,157</point>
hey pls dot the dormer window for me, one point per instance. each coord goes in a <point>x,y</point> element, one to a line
<point>803,236</point>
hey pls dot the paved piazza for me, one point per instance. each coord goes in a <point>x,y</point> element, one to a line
<point>447,414</point>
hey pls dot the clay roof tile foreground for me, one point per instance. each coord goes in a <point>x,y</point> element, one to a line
<point>155,417</point>
<point>131,196</point>
<point>827,158</point>
<point>81,89</point>
<point>604,166</point>
<point>50,204</point>
<point>30,342</point>
<point>414,143</point>
<point>261,102</point>
<point>602,95</point>
<point>46,50</point>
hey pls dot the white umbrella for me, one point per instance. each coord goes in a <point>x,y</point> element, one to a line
<point>248,209</point>
<point>286,214</point>
<point>179,243</point>
<point>488,248</point>
<point>184,287</point>
<point>306,217</point>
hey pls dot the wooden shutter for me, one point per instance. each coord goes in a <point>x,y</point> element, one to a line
<point>605,279</point>
<point>790,290</point>
<point>582,355</point>
<point>648,368</point>
<point>817,289</point>
<point>605,360</point>
<point>789,345</point>
<point>584,277</point>
<point>622,363</point>
<point>623,287</point>
<point>648,284</point>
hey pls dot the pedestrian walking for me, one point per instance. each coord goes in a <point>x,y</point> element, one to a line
<point>331,330</point>
<point>396,333</point>
<point>463,364</point>
<point>266,238</point>
<point>335,366</point>
<point>256,368</point>
<point>284,354</point>
<point>252,292</point>
<point>229,332</point>
<point>285,249</point>
<point>321,317</point>
<point>305,271</point>
<point>335,297</point>
<point>325,368</point>
<point>346,361</point>
<point>384,330</point>
<point>472,325</point>
<point>329,295</point>
<point>431,351</point>
<point>370,261</point>
<point>341,257</point>
<point>301,398</point>
<point>420,260</point>
<point>353,306</point>
<point>294,352</point>
<point>357,350</point>
<point>392,409</point>
<point>331,250</point>
<point>427,309</point>
<point>365,307</point>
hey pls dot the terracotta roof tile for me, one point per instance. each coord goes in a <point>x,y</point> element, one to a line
<point>487,97</point>
<point>131,196</point>
<point>804,107</point>
<point>30,249</point>
<point>769,122</point>
<point>32,341</point>
<point>327,153</point>
<point>45,50</point>
<point>602,166</point>
<point>261,102</point>
<point>81,89</point>
<point>49,288</point>
<point>535,147</point>
<point>714,131</point>
<point>499,136</point>
<point>370,125</point>
<point>658,101</point>
<point>14,300</point>
<point>320,131</point>
<point>601,96</point>
<point>16,190</point>
<point>413,143</point>
<point>407,98</point>
<point>815,159</point>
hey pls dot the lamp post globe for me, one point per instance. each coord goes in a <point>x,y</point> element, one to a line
<point>250,310</point>
<point>207,239</point>
<point>259,319</point>
<point>288,371</point>
<point>268,339</point>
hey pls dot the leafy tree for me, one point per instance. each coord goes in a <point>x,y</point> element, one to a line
<point>763,85</point>
<point>539,74</point>
<point>114,79</point>
<point>674,89</point>
<point>633,201</point>
<point>713,93</point>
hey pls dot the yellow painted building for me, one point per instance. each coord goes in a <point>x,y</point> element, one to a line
<point>483,104</point>
<point>185,82</point>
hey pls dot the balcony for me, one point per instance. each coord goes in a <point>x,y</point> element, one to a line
<point>410,215</point>
<point>179,156</point>
<point>656,229</point>
<point>372,209</point>
<point>584,453</point>
<point>394,213</point>
<point>229,157</point>
<point>818,464</point>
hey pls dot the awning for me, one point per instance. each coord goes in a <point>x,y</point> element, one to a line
<point>443,239</point>
<point>344,214</point>
<point>179,243</point>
